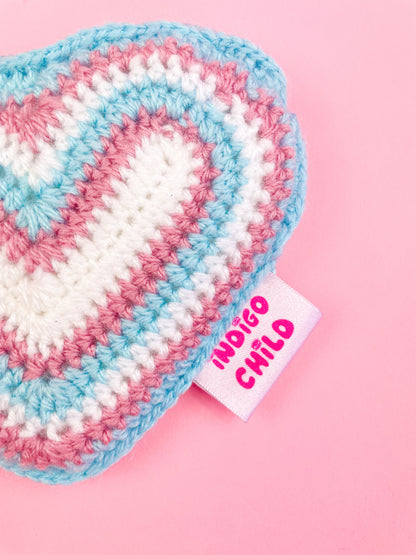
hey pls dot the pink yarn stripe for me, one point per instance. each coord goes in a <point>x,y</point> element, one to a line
<point>30,119</point>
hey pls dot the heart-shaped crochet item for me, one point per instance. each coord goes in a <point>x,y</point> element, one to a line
<point>149,177</point>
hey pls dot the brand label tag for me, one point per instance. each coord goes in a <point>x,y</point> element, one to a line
<point>260,342</point>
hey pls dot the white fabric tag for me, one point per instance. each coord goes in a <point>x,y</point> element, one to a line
<point>258,345</point>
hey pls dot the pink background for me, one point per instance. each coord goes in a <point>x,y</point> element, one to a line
<point>327,464</point>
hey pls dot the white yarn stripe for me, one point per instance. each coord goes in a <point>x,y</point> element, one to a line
<point>34,304</point>
<point>237,235</point>
<point>24,161</point>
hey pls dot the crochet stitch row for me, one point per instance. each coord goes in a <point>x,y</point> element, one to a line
<point>144,191</point>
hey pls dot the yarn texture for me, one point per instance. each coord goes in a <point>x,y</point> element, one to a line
<point>149,178</point>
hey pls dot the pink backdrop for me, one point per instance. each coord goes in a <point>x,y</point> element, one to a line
<point>327,464</point>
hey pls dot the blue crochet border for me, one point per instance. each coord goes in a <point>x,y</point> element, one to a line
<point>35,70</point>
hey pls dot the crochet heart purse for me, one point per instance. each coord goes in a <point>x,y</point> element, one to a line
<point>149,177</point>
